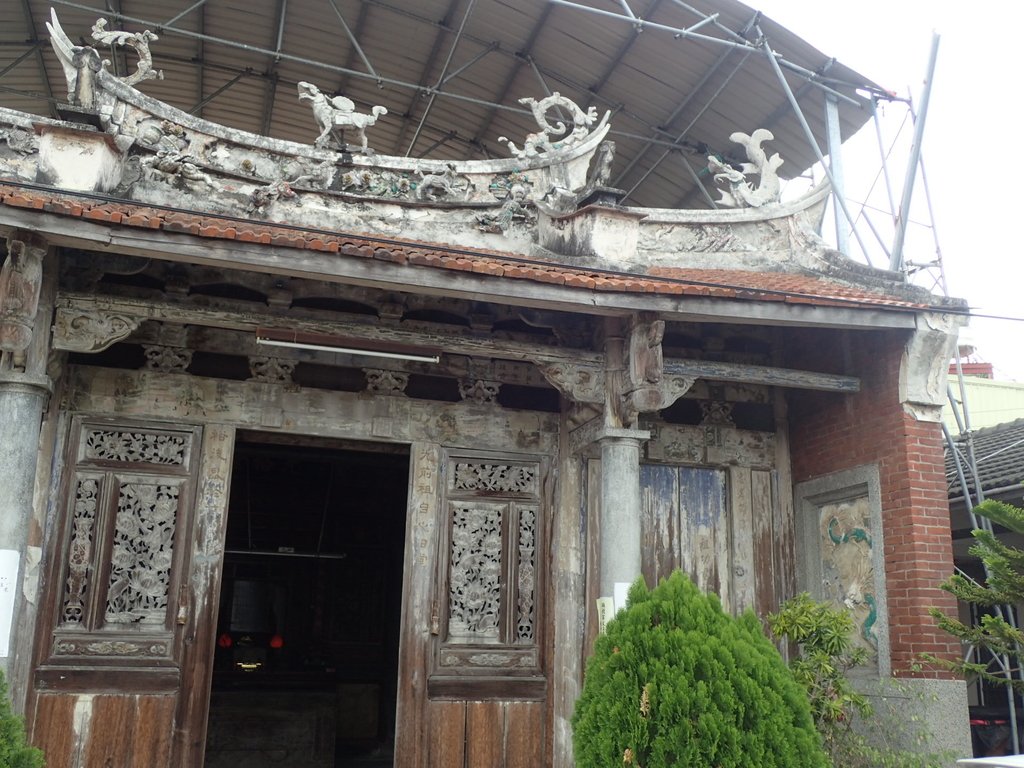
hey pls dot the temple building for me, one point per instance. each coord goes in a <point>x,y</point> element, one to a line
<point>317,455</point>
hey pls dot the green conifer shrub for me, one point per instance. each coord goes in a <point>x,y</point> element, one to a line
<point>675,681</point>
<point>14,752</point>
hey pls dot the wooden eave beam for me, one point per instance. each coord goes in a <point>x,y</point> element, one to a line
<point>182,313</point>
<point>762,374</point>
<point>318,265</point>
<point>186,314</point>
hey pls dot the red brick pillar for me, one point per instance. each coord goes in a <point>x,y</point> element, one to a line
<point>831,432</point>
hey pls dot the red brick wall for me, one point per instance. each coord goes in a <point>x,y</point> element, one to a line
<point>831,432</point>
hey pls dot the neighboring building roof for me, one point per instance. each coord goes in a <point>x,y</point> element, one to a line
<point>719,283</point>
<point>999,452</point>
<point>989,402</point>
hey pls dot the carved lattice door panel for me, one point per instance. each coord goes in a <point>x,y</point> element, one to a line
<point>128,509</point>
<point>129,562</point>
<point>487,614</point>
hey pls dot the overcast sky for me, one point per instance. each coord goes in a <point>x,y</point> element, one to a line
<point>970,146</point>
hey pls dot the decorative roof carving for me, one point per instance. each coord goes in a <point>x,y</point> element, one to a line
<point>81,63</point>
<point>554,135</point>
<point>335,115</point>
<point>137,41</point>
<point>740,192</point>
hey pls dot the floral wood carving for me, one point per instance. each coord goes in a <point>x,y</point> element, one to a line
<point>582,383</point>
<point>495,478</point>
<point>109,648</point>
<point>167,359</point>
<point>474,582</point>
<point>274,370</point>
<point>136,447</point>
<point>90,331</point>
<point>80,551</point>
<point>527,575</point>
<point>20,281</point>
<point>382,382</point>
<point>479,391</point>
<point>140,563</point>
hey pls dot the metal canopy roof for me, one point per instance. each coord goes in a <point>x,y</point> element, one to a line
<point>678,77</point>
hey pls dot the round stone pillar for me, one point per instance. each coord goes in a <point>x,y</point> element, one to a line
<point>22,400</point>
<point>620,511</point>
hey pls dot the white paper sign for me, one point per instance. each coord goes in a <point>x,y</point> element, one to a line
<point>605,612</point>
<point>8,589</point>
<point>621,593</point>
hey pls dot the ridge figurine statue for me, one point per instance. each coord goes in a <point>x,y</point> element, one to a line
<point>81,62</point>
<point>740,193</point>
<point>336,114</point>
<point>556,135</point>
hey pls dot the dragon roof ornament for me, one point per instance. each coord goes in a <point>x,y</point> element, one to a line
<point>81,62</point>
<point>555,135</point>
<point>739,192</point>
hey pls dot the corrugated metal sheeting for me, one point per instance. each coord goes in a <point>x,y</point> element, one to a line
<point>238,62</point>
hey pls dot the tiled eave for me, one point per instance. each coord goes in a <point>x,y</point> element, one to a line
<point>416,257</point>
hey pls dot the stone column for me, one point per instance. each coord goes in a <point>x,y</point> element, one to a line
<point>24,389</point>
<point>620,511</point>
<point>620,472</point>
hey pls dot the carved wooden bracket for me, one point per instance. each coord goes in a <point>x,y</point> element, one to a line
<point>81,330</point>
<point>21,278</point>
<point>580,382</point>
<point>642,385</point>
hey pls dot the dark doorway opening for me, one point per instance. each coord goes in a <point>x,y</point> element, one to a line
<point>306,662</point>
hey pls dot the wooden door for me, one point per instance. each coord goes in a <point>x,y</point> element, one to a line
<point>473,675</point>
<point>125,634</point>
<point>725,528</point>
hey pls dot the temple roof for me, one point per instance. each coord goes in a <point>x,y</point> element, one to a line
<point>676,90</point>
<point>735,284</point>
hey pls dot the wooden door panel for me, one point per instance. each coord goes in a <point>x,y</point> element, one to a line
<point>446,738</point>
<point>524,734</point>
<point>132,577</point>
<point>485,733</point>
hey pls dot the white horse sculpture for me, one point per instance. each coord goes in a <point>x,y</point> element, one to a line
<point>335,115</point>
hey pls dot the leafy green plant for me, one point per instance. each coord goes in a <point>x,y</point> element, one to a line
<point>854,733</point>
<point>675,681</point>
<point>1004,586</point>
<point>14,752</point>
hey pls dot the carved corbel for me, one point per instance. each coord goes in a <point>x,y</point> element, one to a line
<point>579,382</point>
<point>925,364</point>
<point>479,391</point>
<point>271,370</point>
<point>20,281</point>
<point>383,382</point>
<point>166,358</point>
<point>77,330</point>
<point>646,388</point>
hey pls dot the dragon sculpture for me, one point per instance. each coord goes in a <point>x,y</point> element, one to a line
<point>740,192</point>
<point>335,115</point>
<point>546,141</point>
<point>81,63</point>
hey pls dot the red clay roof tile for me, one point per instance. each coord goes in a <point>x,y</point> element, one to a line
<point>723,283</point>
